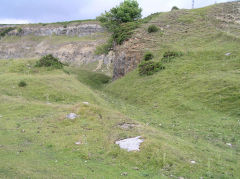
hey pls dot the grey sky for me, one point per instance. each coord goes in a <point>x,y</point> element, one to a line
<point>34,11</point>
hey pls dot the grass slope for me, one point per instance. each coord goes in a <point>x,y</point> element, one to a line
<point>196,98</point>
<point>37,141</point>
<point>187,112</point>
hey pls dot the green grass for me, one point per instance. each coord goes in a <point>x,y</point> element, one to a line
<point>54,39</point>
<point>38,141</point>
<point>196,98</point>
<point>189,111</point>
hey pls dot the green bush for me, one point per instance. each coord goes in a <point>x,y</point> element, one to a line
<point>19,30</point>
<point>49,61</point>
<point>5,31</point>
<point>150,67</point>
<point>175,8</point>
<point>148,56</point>
<point>152,28</point>
<point>22,84</point>
<point>169,55</point>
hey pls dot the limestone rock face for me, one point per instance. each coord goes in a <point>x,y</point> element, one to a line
<point>73,44</point>
<point>127,57</point>
<point>78,30</point>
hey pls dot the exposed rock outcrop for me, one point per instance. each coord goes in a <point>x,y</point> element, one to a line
<point>34,41</point>
<point>73,30</point>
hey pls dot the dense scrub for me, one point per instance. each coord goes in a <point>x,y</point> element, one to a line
<point>49,61</point>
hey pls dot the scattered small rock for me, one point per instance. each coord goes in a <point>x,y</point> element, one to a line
<point>78,143</point>
<point>193,162</point>
<point>23,130</point>
<point>86,103</point>
<point>130,144</point>
<point>72,116</point>
<point>135,168</point>
<point>127,126</point>
<point>229,144</point>
<point>181,178</point>
<point>227,54</point>
<point>0,116</point>
<point>124,174</point>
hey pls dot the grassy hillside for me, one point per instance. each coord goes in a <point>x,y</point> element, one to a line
<point>188,114</point>
<point>196,98</point>
<point>38,141</point>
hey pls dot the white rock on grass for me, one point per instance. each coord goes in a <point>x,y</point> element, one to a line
<point>72,116</point>
<point>229,144</point>
<point>193,162</point>
<point>0,116</point>
<point>130,144</point>
<point>86,103</point>
<point>78,143</point>
<point>227,54</point>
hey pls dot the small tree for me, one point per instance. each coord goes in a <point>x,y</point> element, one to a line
<point>121,20</point>
<point>127,11</point>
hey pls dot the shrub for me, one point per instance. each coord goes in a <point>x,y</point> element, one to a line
<point>5,31</point>
<point>22,84</point>
<point>19,30</point>
<point>169,55</point>
<point>150,67</point>
<point>49,61</point>
<point>152,28</point>
<point>65,26</point>
<point>148,56</point>
<point>175,8</point>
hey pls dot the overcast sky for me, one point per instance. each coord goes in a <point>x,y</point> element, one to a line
<point>34,11</point>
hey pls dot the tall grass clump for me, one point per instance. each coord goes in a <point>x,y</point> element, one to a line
<point>152,28</point>
<point>169,55</point>
<point>149,67</point>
